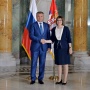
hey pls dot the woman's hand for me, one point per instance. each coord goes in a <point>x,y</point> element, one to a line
<point>49,49</point>
<point>70,50</point>
<point>48,41</point>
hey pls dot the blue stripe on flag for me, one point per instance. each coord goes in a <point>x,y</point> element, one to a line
<point>30,20</point>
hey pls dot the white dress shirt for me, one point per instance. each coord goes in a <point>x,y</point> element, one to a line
<point>41,24</point>
<point>58,32</point>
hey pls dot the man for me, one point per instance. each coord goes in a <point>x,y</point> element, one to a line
<point>39,33</point>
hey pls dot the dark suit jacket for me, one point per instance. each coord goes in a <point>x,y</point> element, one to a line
<point>65,39</point>
<point>36,36</point>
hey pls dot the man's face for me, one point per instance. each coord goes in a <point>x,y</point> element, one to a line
<point>40,17</point>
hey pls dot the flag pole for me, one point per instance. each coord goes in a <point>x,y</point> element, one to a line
<point>53,77</point>
<point>53,13</point>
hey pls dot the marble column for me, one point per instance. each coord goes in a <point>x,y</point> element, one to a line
<point>89,25</point>
<point>24,9</point>
<point>6,59</point>
<point>80,32</point>
<point>61,7</point>
<point>80,25</point>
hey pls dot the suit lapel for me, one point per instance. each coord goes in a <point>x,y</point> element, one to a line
<point>44,27</point>
<point>37,26</point>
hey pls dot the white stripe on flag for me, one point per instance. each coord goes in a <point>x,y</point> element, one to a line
<point>33,8</point>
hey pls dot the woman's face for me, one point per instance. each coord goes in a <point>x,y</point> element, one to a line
<point>59,21</point>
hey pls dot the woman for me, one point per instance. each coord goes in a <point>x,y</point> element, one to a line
<point>62,48</point>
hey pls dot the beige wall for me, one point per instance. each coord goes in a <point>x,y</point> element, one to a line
<point>44,5</point>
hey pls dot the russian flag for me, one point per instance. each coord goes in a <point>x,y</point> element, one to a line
<point>26,42</point>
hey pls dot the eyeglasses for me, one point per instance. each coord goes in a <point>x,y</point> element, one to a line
<point>59,20</point>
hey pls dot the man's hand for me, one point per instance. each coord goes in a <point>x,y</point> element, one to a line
<point>43,41</point>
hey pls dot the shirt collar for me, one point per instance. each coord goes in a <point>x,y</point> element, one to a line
<point>40,22</point>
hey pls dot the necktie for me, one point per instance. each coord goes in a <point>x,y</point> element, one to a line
<point>41,28</point>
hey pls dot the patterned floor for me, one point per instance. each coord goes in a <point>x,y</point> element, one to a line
<point>18,78</point>
<point>49,69</point>
<point>25,70</point>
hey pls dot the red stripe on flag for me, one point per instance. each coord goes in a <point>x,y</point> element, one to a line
<point>26,42</point>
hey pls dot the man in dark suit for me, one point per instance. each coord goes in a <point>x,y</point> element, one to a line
<point>39,32</point>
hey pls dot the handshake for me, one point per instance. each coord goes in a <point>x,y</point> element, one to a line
<point>43,41</point>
